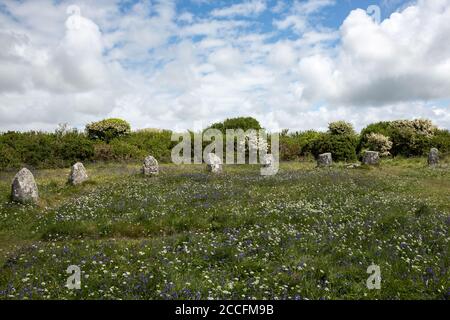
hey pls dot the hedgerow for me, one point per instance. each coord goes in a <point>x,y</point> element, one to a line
<point>118,143</point>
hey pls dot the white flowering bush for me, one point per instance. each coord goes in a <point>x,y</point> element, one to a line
<point>422,127</point>
<point>341,128</point>
<point>380,143</point>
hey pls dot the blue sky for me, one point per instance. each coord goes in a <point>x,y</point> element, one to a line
<point>296,64</point>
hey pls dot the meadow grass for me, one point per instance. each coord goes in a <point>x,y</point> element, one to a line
<point>306,233</point>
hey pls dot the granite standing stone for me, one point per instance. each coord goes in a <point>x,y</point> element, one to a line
<point>371,158</point>
<point>78,174</point>
<point>433,157</point>
<point>213,163</point>
<point>150,167</point>
<point>24,189</point>
<point>325,160</point>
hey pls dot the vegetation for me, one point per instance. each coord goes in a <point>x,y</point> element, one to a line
<point>380,143</point>
<point>113,140</point>
<point>244,123</point>
<point>108,129</point>
<point>305,233</point>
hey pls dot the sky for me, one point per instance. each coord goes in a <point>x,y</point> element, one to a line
<point>184,64</point>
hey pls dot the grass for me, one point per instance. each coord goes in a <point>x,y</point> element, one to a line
<point>305,233</point>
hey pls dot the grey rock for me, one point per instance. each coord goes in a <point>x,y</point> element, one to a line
<point>78,174</point>
<point>24,189</point>
<point>150,167</point>
<point>433,157</point>
<point>371,158</point>
<point>325,160</point>
<point>213,163</point>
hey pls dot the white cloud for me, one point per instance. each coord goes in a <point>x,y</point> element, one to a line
<point>300,13</point>
<point>402,59</point>
<point>157,67</point>
<point>245,9</point>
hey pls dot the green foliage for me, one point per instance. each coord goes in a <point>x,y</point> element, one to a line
<point>383,128</point>
<point>341,128</point>
<point>342,146</point>
<point>108,129</point>
<point>73,147</point>
<point>122,150</point>
<point>378,142</point>
<point>156,143</point>
<point>441,141</point>
<point>407,142</point>
<point>244,123</point>
<point>423,127</point>
<point>289,148</point>
<point>65,147</point>
<point>297,144</point>
<point>43,150</point>
<point>9,158</point>
<point>409,137</point>
<point>306,141</point>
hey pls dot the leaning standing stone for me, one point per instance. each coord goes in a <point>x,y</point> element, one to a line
<point>433,157</point>
<point>371,158</point>
<point>24,189</point>
<point>213,163</point>
<point>150,167</point>
<point>78,174</point>
<point>325,160</point>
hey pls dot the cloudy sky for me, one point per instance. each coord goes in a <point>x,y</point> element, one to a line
<point>187,63</point>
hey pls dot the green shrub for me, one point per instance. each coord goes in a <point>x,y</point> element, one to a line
<point>73,147</point>
<point>380,143</point>
<point>343,146</point>
<point>44,150</point>
<point>244,123</point>
<point>289,148</point>
<point>102,152</point>
<point>122,150</point>
<point>422,127</point>
<point>9,157</point>
<point>108,129</point>
<point>155,143</point>
<point>306,141</point>
<point>409,137</point>
<point>441,141</point>
<point>341,128</point>
<point>407,142</point>
<point>383,128</point>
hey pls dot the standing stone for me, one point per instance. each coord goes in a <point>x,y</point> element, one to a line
<point>150,167</point>
<point>78,174</point>
<point>24,189</point>
<point>213,163</point>
<point>371,158</point>
<point>433,157</point>
<point>325,160</point>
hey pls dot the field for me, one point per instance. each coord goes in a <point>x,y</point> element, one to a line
<point>305,233</point>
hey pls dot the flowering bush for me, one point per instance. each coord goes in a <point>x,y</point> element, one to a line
<point>409,137</point>
<point>422,127</point>
<point>380,143</point>
<point>341,128</point>
<point>108,129</point>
